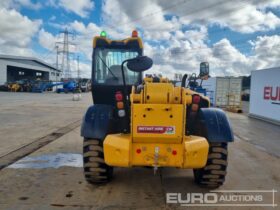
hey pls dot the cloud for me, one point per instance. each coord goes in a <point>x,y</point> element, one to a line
<point>85,69</point>
<point>16,38</point>
<point>242,16</point>
<point>124,16</point>
<point>159,18</point>
<point>18,4</point>
<point>84,36</point>
<point>175,33</point>
<point>5,4</point>
<point>52,18</point>
<point>28,4</point>
<point>46,39</point>
<point>248,19</point>
<point>182,55</point>
<point>90,30</point>
<point>266,51</point>
<point>186,49</point>
<point>80,7</point>
<point>176,37</point>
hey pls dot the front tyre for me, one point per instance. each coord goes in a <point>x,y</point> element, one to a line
<point>95,168</point>
<point>213,174</point>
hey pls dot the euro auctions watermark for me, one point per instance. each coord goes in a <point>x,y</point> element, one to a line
<point>265,198</point>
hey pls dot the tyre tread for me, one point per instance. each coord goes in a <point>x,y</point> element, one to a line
<point>96,171</point>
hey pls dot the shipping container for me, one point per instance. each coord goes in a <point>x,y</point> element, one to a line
<point>265,95</point>
<point>224,92</point>
<point>210,86</point>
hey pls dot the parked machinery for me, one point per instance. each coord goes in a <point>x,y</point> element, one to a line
<point>69,86</point>
<point>85,85</point>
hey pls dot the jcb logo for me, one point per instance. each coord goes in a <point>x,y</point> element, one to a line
<point>271,93</point>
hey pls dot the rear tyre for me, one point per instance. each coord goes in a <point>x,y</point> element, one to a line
<point>213,174</point>
<point>95,169</point>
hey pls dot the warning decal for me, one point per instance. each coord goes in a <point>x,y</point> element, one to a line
<point>156,129</point>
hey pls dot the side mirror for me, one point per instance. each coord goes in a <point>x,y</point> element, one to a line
<point>139,64</point>
<point>204,70</point>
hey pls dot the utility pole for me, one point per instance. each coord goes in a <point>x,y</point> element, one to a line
<point>65,63</point>
<point>56,47</point>
<point>78,60</point>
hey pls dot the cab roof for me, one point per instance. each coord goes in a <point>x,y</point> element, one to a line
<point>129,43</point>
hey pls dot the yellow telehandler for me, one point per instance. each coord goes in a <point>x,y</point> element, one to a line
<point>138,121</point>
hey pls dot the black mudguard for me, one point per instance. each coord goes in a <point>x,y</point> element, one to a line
<point>214,125</point>
<point>98,122</point>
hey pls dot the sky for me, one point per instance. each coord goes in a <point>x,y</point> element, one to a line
<point>235,37</point>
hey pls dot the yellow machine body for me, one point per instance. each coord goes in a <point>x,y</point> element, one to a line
<point>14,87</point>
<point>157,138</point>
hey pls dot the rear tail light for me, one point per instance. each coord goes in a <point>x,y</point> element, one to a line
<point>119,96</point>
<point>174,152</point>
<point>196,99</point>
<point>120,104</point>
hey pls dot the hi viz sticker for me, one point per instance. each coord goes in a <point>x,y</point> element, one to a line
<point>156,129</point>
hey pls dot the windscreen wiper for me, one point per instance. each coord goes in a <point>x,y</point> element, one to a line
<point>107,67</point>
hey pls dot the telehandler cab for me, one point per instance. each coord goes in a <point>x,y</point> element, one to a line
<point>149,122</point>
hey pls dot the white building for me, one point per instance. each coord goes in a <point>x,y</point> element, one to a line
<point>265,95</point>
<point>14,68</point>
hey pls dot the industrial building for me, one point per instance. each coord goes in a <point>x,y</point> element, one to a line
<point>14,68</point>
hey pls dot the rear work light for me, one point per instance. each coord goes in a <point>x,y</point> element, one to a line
<point>121,113</point>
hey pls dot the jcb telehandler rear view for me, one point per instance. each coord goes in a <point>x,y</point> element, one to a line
<point>149,122</point>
